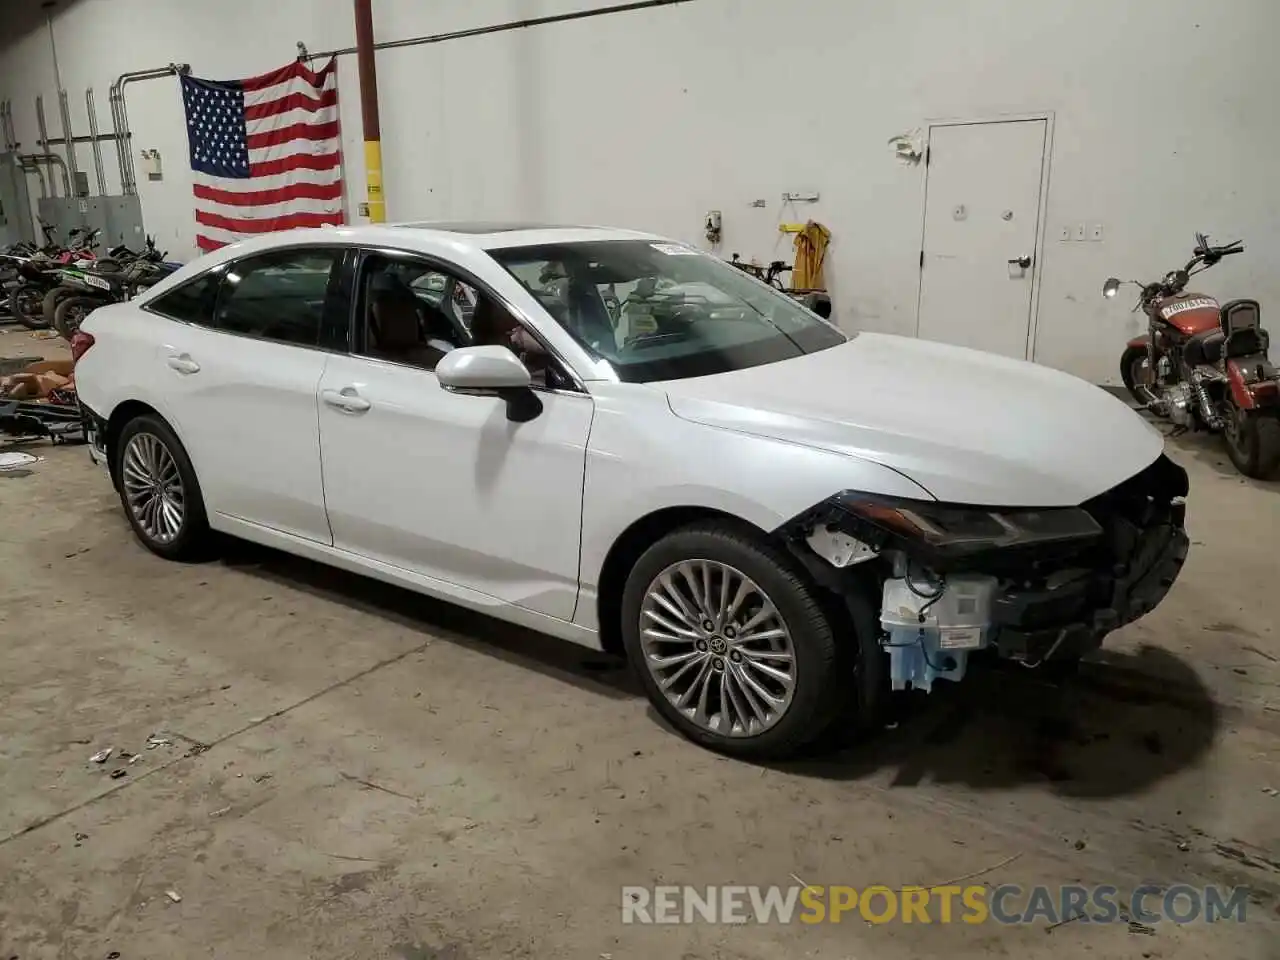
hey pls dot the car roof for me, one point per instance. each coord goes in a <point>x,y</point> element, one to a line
<point>458,241</point>
<point>426,235</point>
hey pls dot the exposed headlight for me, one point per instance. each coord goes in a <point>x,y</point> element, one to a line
<point>950,532</point>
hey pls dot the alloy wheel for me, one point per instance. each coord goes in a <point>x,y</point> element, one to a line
<point>153,488</point>
<point>718,648</point>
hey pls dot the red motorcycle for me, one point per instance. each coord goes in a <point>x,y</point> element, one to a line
<point>1204,365</point>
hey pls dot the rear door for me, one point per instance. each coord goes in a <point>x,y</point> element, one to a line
<point>242,375</point>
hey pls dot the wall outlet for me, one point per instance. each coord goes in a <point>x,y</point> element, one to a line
<point>1078,231</point>
<point>1095,231</point>
<point>1065,234</point>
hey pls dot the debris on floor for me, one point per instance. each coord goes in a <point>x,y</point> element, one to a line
<point>118,773</point>
<point>39,399</point>
<point>157,740</point>
<point>1271,791</point>
<point>173,895</point>
<point>102,756</point>
<point>15,459</point>
<point>39,381</point>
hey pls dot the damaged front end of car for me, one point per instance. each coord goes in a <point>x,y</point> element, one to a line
<point>1033,585</point>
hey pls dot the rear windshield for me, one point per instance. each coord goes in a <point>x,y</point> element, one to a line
<point>663,311</point>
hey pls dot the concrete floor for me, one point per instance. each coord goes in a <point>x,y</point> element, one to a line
<point>359,772</point>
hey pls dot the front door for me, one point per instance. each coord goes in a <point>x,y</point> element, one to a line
<point>440,484</point>
<point>981,225</point>
<point>446,486</point>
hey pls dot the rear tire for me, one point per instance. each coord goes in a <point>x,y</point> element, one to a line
<point>1135,370</point>
<point>159,490</point>
<point>1253,442</point>
<point>71,312</point>
<point>752,673</point>
<point>26,303</point>
<point>54,297</point>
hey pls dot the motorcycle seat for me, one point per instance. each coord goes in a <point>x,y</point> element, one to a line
<point>1242,330</point>
<point>1204,348</point>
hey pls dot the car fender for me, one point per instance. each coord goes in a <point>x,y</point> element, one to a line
<point>116,369</point>
<point>642,459</point>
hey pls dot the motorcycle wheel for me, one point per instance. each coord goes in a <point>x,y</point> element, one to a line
<point>51,301</point>
<point>26,304</point>
<point>70,314</point>
<point>1253,441</point>
<point>1138,377</point>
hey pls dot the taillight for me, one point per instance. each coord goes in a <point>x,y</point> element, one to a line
<point>80,343</point>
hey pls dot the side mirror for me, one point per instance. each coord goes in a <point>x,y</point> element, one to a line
<point>1110,288</point>
<point>490,371</point>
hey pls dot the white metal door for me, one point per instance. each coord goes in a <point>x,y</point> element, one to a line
<point>448,487</point>
<point>981,224</point>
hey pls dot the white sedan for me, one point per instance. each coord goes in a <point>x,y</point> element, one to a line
<point>627,443</point>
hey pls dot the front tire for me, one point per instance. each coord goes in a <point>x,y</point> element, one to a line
<point>26,303</point>
<point>51,300</point>
<point>70,313</point>
<point>1253,442</point>
<point>733,647</point>
<point>159,490</point>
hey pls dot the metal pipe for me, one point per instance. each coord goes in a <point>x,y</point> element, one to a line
<point>30,166</point>
<point>64,108</point>
<point>53,48</point>
<point>98,170</point>
<point>369,112</point>
<point>80,138</point>
<point>6,125</point>
<point>43,143</point>
<point>120,117</point>
<point>53,159</point>
<point>40,122</point>
<point>503,27</point>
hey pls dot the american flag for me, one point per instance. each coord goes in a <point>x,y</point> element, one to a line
<point>266,153</point>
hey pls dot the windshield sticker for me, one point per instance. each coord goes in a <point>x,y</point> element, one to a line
<point>675,250</point>
<point>1195,303</point>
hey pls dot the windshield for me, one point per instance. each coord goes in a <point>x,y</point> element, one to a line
<point>663,311</point>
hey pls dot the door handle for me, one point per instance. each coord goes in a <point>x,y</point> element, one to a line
<point>1023,261</point>
<point>346,400</point>
<point>183,363</point>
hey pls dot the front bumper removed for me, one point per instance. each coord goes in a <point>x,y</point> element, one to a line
<point>1031,604</point>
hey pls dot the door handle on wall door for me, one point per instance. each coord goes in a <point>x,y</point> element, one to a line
<point>346,400</point>
<point>183,363</point>
<point>1023,261</point>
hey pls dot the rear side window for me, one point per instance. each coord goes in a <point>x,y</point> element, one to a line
<point>192,302</point>
<point>278,296</point>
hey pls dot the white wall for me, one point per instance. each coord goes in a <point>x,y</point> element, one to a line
<point>1165,121</point>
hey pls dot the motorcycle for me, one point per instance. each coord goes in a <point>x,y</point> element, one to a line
<point>1204,365</point>
<point>38,275</point>
<point>816,300</point>
<point>84,289</point>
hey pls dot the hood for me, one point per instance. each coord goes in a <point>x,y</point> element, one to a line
<point>970,427</point>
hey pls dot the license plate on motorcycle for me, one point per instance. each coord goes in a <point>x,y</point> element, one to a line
<point>97,282</point>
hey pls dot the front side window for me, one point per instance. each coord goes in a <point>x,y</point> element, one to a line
<point>662,311</point>
<point>278,296</point>
<point>414,312</point>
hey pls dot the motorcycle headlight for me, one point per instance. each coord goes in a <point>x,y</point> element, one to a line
<point>951,531</point>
